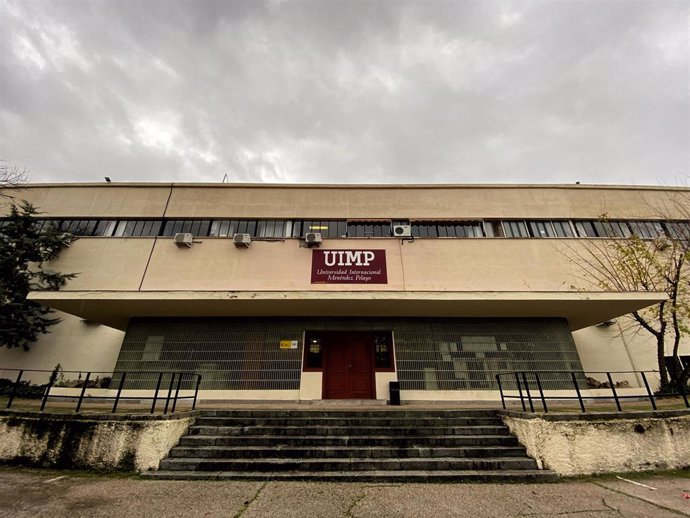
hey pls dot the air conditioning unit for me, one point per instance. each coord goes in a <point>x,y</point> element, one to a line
<point>402,230</point>
<point>661,243</point>
<point>241,240</point>
<point>313,238</point>
<point>183,239</point>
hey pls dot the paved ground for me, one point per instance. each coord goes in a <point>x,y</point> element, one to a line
<point>41,493</point>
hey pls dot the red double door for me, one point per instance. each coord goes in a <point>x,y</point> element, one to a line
<point>348,366</point>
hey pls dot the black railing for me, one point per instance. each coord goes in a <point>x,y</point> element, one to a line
<point>530,388</point>
<point>118,381</point>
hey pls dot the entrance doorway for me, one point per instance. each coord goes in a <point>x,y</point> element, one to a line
<point>348,360</point>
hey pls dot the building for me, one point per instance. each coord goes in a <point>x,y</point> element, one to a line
<point>307,292</point>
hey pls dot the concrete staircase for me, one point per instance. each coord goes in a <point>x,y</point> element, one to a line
<point>365,445</point>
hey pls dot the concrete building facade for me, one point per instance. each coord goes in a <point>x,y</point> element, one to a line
<point>438,287</point>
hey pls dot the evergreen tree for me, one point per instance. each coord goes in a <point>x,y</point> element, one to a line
<point>24,248</point>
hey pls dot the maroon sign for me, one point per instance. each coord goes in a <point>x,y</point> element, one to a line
<point>348,267</point>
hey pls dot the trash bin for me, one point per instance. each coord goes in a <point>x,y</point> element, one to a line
<point>394,387</point>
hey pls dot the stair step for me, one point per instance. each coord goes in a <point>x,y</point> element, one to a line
<point>320,414</point>
<point>498,476</point>
<point>359,440</point>
<point>347,430</point>
<point>349,421</point>
<point>348,464</point>
<point>296,452</point>
<point>391,445</point>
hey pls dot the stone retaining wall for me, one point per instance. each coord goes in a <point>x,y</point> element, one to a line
<point>583,444</point>
<point>103,442</point>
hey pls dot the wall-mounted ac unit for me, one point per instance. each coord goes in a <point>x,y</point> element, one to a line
<point>313,238</point>
<point>241,240</point>
<point>183,239</point>
<point>402,230</point>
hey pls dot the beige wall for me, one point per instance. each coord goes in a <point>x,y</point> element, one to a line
<point>214,264</point>
<point>621,347</point>
<point>426,265</point>
<point>105,263</point>
<point>89,201</point>
<point>412,202</point>
<point>273,201</point>
<point>73,344</point>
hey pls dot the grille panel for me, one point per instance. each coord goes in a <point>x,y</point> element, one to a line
<point>431,353</point>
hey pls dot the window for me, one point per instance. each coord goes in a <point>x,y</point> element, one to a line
<point>313,352</point>
<point>384,351</point>
<point>78,227</point>
<point>152,348</point>
<point>296,229</point>
<point>327,228</point>
<point>105,227</point>
<point>198,228</point>
<point>646,229</point>
<point>447,229</point>
<point>678,229</point>
<point>515,229</point>
<point>223,227</point>
<point>494,229</point>
<point>585,229</point>
<point>369,229</point>
<point>133,228</point>
<point>287,228</point>
<point>541,229</point>
<point>562,228</point>
<point>607,228</point>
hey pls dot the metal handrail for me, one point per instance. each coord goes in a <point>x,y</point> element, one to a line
<point>522,380</point>
<point>176,380</point>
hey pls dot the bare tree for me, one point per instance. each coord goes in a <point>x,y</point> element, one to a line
<point>636,263</point>
<point>11,176</point>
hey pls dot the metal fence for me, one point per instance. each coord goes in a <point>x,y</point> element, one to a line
<point>98,386</point>
<point>530,387</point>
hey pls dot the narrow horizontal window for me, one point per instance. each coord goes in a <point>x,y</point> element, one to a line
<point>515,229</point>
<point>368,229</point>
<point>541,229</point>
<point>105,227</point>
<point>678,229</point>
<point>585,229</point>
<point>562,228</point>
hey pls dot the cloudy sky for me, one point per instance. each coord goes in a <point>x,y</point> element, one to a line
<point>346,92</point>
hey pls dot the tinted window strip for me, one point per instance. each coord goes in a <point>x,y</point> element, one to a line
<point>295,228</point>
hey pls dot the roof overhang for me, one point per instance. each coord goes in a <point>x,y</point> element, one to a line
<point>115,308</point>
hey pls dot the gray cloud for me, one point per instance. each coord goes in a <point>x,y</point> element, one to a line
<point>483,91</point>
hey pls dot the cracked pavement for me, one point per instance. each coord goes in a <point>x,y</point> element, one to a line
<point>54,494</point>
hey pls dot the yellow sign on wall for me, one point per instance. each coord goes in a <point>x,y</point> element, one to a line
<point>288,344</point>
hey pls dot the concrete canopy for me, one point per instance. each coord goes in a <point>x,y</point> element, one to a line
<point>115,308</point>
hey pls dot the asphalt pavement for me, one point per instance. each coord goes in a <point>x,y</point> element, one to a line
<point>45,493</point>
